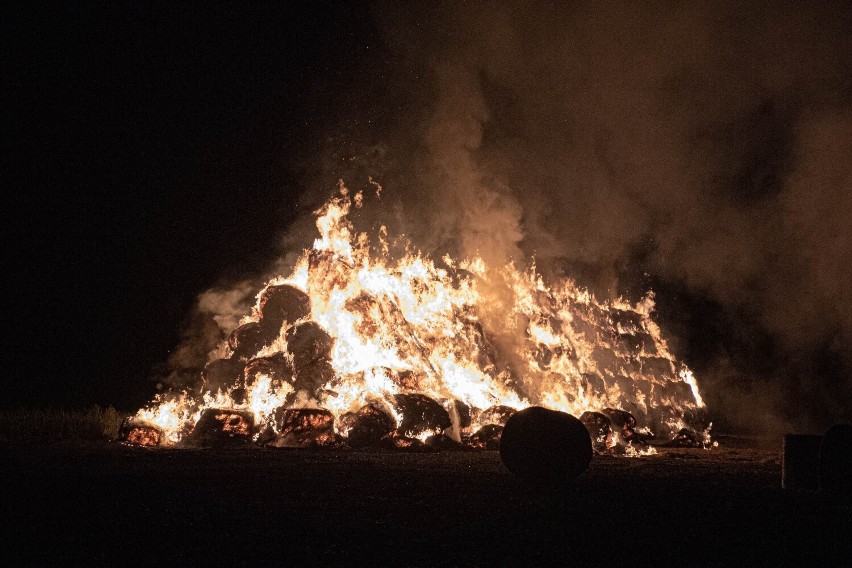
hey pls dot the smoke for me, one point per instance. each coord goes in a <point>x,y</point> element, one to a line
<point>705,144</point>
<point>699,148</point>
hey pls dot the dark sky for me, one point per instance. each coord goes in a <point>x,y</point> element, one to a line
<point>153,151</point>
<point>149,151</point>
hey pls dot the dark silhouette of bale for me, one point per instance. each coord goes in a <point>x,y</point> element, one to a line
<point>247,340</point>
<point>222,373</point>
<point>308,342</point>
<point>496,415</point>
<point>282,304</point>
<point>799,468</point>
<point>305,427</point>
<point>835,460</point>
<point>486,438</point>
<point>222,427</point>
<point>136,432</point>
<point>599,428</point>
<point>368,426</point>
<point>545,447</point>
<point>420,414</point>
<point>313,376</point>
<point>276,367</point>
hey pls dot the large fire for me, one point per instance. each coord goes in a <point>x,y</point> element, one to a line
<point>357,346</point>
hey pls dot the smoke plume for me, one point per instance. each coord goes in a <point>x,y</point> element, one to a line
<point>700,149</point>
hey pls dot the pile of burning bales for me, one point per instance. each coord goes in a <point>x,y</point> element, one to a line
<point>406,420</point>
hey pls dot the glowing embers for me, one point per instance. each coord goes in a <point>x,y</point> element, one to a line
<point>222,427</point>
<point>136,432</point>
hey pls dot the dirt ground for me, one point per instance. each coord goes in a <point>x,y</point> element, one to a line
<point>104,504</point>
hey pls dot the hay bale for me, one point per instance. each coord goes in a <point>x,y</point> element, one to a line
<point>308,342</point>
<point>282,304</point>
<point>305,427</point>
<point>546,448</point>
<point>486,438</point>
<point>277,367</point>
<point>368,426</point>
<point>496,415</point>
<point>141,433</point>
<point>420,414</point>
<point>247,340</point>
<point>222,427</point>
<point>835,460</point>
<point>443,443</point>
<point>799,467</point>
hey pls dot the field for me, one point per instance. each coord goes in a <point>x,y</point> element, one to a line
<point>97,503</point>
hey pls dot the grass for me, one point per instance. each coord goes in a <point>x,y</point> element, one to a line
<point>25,425</point>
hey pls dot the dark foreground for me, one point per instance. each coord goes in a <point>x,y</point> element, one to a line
<point>110,505</point>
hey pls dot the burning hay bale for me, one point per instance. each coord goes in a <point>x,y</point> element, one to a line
<point>247,340</point>
<point>306,428</point>
<point>368,426</point>
<point>624,422</point>
<point>486,438</point>
<point>420,414</point>
<point>685,438</point>
<point>544,447</point>
<point>136,432</point>
<point>308,342</point>
<point>496,415</point>
<point>600,429</point>
<point>222,427</point>
<point>276,367</point>
<point>279,305</point>
<point>835,460</point>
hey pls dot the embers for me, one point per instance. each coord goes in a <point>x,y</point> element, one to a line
<point>135,432</point>
<point>305,428</point>
<point>220,427</point>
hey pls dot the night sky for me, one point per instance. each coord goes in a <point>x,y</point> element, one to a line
<point>153,151</point>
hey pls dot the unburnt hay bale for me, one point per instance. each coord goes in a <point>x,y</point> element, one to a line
<point>545,448</point>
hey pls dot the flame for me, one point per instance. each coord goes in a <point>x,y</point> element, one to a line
<point>458,331</point>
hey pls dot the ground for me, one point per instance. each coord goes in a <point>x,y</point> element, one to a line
<point>103,504</point>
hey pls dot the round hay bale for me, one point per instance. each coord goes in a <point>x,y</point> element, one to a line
<point>280,304</point>
<point>545,447</point>
<point>835,460</point>
<point>420,414</point>
<point>247,340</point>
<point>368,426</point>
<point>308,342</point>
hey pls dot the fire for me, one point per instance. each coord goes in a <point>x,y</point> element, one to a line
<point>351,328</point>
